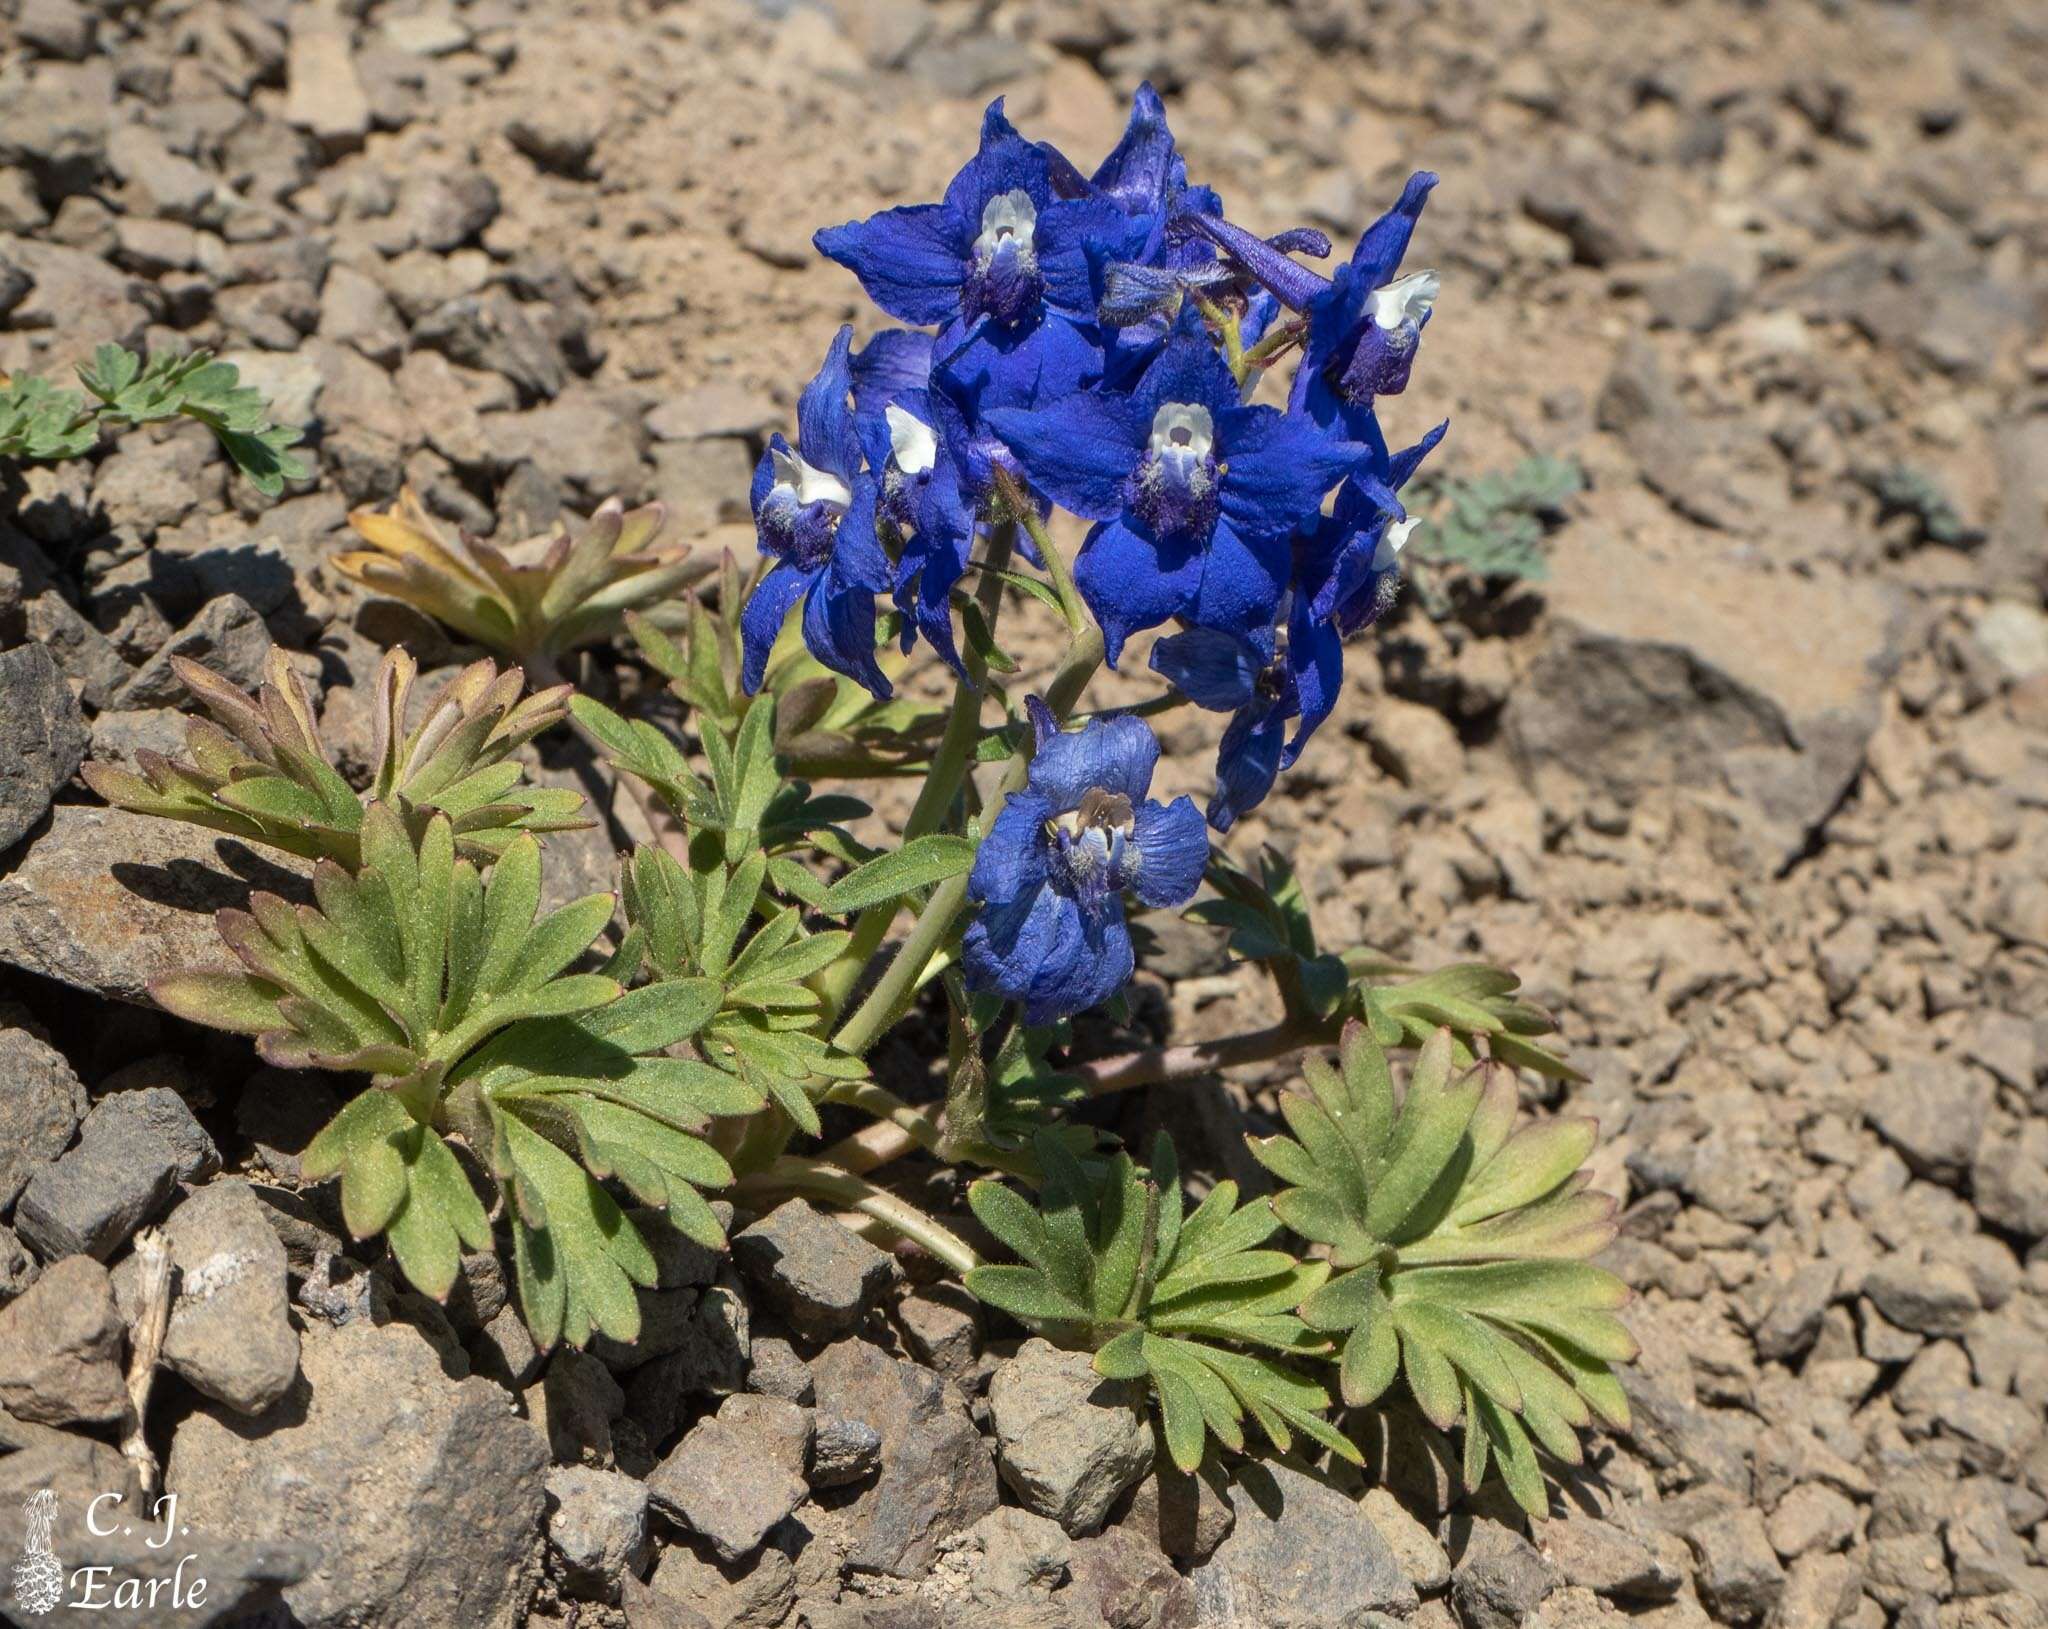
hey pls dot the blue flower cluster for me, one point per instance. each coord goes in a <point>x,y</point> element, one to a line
<point>1091,342</point>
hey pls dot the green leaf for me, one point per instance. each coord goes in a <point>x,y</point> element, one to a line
<point>366,1144</point>
<point>1025,1293</point>
<point>238,1002</point>
<point>920,863</point>
<point>577,1270</point>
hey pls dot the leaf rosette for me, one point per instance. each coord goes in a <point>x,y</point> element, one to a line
<point>259,769</point>
<point>1457,1243</point>
<point>1190,1302</point>
<point>445,986</point>
<point>533,599</point>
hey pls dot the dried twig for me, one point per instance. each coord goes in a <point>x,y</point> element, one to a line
<point>145,1348</point>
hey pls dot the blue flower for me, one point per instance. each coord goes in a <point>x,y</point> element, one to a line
<point>1227,674</point>
<point>1195,495</point>
<point>1348,565</point>
<point>1051,873</point>
<point>1000,246</point>
<point>814,511</point>
<point>1363,323</point>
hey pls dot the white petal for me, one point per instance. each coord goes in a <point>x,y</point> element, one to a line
<point>1405,298</point>
<point>911,440</point>
<point>1392,541</point>
<point>1013,217</point>
<point>1183,428</point>
<point>809,484</point>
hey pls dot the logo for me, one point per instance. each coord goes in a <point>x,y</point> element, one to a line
<point>41,1584</point>
<point>39,1575</point>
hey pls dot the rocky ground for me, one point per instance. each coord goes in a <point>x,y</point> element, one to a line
<point>1751,789</point>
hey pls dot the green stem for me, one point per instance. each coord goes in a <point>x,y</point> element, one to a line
<point>1019,503</point>
<point>815,1179</point>
<point>893,991</point>
<point>942,784</point>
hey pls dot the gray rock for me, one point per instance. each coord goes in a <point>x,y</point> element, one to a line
<point>1605,1559</point>
<point>935,1477</point>
<point>41,1103</point>
<point>1927,1297</point>
<point>57,28</point>
<point>711,1360</point>
<point>579,1403</point>
<point>597,1522</point>
<point>843,1451</point>
<point>91,1201</point>
<point>1423,1560</point>
<point>163,1111</point>
<point>1593,205</point>
<point>504,1351</point>
<point>1697,673</point>
<point>231,1334</point>
<point>942,1328</point>
<point>1500,1579</point>
<point>725,1483</point>
<point>423,1496</point>
<point>1739,1576</point>
<point>1932,1111</point>
<point>18,1269</point>
<point>118,736</point>
<point>777,1371</point>
<point>60,1348</point>
<point>2010,1178</point>
<point>324,95</point>
<point>1068,1442</point>
<point>493,331</point>
<point>105,900</point>
<point>227,636</point>
<point>1129,1582</point>
<point>1793,1323</point>
<point>86,656</point>
<point>692,1583</point>
<point>1187,1516</point>
<point>782,1430</point>
<point>820,1276</point>
<point>1820,1591</point>
<point>42,738</point>
<point>721,409</point>
<point>1301,1556</point>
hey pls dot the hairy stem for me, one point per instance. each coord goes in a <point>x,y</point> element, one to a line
<point>942,783</point>
<point>1020,504</point>
<point>815,1179</point>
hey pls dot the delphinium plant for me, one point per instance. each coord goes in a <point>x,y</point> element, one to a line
<point>1087,342</point>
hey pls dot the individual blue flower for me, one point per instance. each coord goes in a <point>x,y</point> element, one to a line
<point>1348,564</point>
<point>1261,692</point>
<point>1000,246</point>
<point>1195,495</point>
<point>1051,874</point>
<point>1363,323</point>
<point>814,511</point>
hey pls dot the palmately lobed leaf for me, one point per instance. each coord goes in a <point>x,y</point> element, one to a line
<point>1460,1241</point>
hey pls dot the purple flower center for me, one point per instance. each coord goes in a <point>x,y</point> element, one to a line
<point>1003,281</point>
